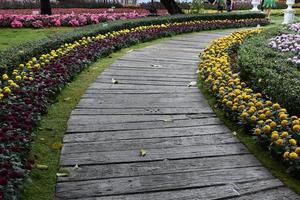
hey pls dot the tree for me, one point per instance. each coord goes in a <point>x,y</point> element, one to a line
<point>171,6</point>
<point>45,7</point>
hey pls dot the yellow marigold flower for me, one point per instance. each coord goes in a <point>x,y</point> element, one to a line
<point>266,128</point>
<point>268,113</point>
<point>262,116</point>
<point>292,142</point>
<point>294,117</point>
<point>286,154</point>
<point>6,90</point>
<point>30,78</point>
<point>1,96</point>
<point>257,131</point>
<point>283,110</point>
<point>296,128</point>
<point>244,114</point>
<point>274,135</point>
<point>258,104</point>
<point>253,118</point>
<point>18,78</point>
<point>21,65</point>
<point>293,156</point>
<point>5,77</point>
<point>284,134</point>
<point>273,124</point>
<point>279,142</point>
<point>269,103</point>
<point>276,106</point>
<point>284,123</point>
<point>283,116</point>
<point>297,150</point>
<point>296,122</point>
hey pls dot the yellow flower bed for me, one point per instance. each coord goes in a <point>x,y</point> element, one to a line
<point>271,124</point>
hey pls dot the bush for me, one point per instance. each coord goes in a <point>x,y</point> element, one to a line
<point>268,70</point>
<point>11,57</point>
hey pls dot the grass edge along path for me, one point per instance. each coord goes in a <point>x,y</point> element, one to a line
<point>48,136</point>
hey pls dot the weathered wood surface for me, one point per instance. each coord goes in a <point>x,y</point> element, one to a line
<point>190,154</point>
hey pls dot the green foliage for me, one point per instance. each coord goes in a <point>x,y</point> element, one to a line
<point>11,57</point>
<point>197,6</point>
<point>267,71</point>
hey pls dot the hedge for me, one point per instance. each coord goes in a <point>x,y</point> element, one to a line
<point>268,71</point>
<point>12,57</point>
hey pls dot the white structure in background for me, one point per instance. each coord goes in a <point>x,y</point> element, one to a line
<point>255,4</point>
<point>128,2</point>
<point>289,13</point>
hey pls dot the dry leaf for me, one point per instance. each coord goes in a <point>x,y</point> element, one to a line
<point>114,81</point>
<point>57,146</point>
<point>67,99</point>
<point>168,120</point>
<point>76,167</point>
<point>142,152</point>
<point>193,83</point>
<point>62,174</point>
<point>42,167</point>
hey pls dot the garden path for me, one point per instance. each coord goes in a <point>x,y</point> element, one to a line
<point>190,154</point>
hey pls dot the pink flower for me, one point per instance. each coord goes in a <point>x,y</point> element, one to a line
<point>16,24</point>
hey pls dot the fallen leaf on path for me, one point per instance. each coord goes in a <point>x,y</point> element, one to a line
<point>142,152</point>
<point>67,99</point>
<point>42,167</point>
<point>76,167</point>
<point>193,83</point>
<point>168,120</point>
<point>62,174</point>
<point>114,81</point>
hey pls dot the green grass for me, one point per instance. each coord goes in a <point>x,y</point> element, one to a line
<point>10,37</point>
<point>274,166</point>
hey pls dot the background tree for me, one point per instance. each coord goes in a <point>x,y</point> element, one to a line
<point>45,7</point>
<point>171,6</point>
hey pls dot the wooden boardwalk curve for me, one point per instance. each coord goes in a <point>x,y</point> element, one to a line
<point>190,154</point>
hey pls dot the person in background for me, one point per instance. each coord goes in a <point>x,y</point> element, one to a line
<point>262,5</point>
<point>220,5</point>
<point>268,5</point>
<point>229,4</point>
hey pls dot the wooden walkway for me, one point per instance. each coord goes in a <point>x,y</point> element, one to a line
<point>190,154</point>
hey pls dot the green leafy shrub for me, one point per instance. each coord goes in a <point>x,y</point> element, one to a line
<point>267,70</point>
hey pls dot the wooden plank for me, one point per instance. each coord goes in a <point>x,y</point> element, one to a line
<point>139,111</point>
<point>133,96</point>
<point>159,182</point>
<point>150,143</point>
<point>228,191</point>
<point>94,172</point>
<point>111,119</point>
<point>144,134</point>
<point>108,157</point>
<point>142,125</point>
<point>207,193</point>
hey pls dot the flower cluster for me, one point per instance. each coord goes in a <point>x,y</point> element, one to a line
<point>74,20</point>
<point>271,124</point>
<point>295,27</point>
<point>64,11</point>
<point>289,42</point>
<point>27,92</point>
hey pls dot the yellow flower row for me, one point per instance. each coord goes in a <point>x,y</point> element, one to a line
<point>268,120</point>
<point>24,71</point>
